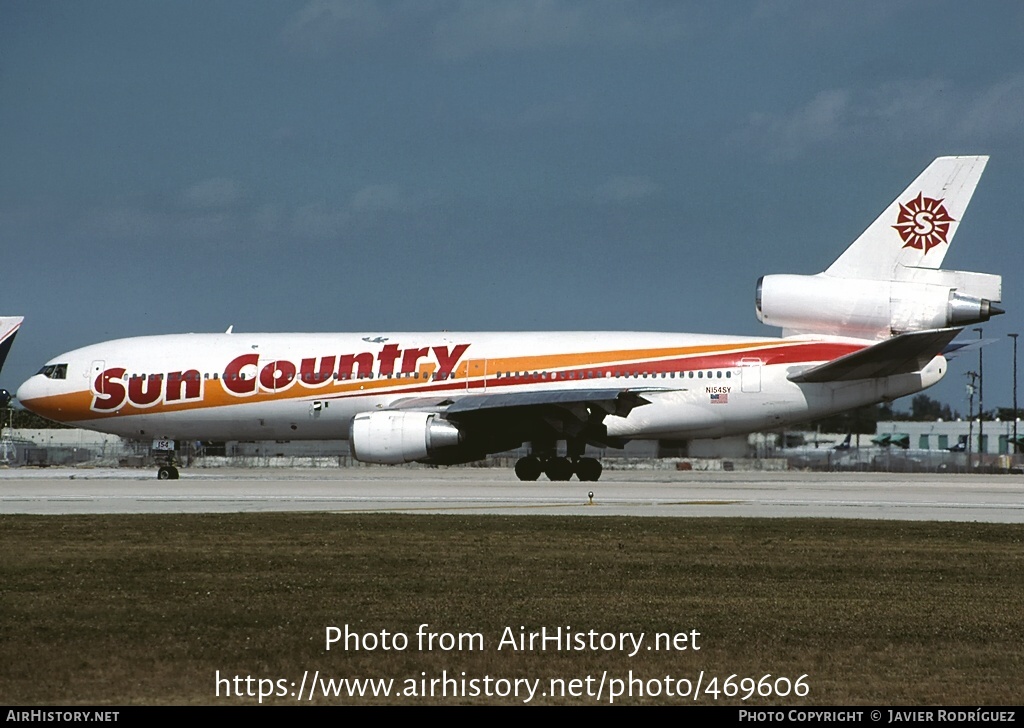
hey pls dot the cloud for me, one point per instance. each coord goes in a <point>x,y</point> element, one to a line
<point>380,198</point>
<point>811,17</point>
<point>996,111</point>
<point>366,206</point>
<point>126,222</point>
<point>214,193</point>
<point>917,104</point>
<point>932,109</point>
<point>474,27</point>
<point>460,29</point>
<point>212,212</point>
<point>626,189</point>
<point>789,134</point>
<point>318,220</point>
<point>323,25</point>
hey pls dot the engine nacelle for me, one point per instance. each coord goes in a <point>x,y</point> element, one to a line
<point>390,437</point>
<point>870,309</point>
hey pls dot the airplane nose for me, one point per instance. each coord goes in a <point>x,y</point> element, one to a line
<point>28,391</point>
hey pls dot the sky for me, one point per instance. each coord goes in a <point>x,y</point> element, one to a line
<point>406,165</point>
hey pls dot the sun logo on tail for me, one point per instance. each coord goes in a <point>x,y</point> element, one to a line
<point>923,223</point>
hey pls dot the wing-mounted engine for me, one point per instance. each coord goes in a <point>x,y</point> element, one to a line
<point>390,437</point>
<point>915,300</point>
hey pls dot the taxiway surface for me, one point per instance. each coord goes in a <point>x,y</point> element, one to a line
<point>991,498</point>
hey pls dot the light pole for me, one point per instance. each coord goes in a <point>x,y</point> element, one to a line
<point>970,418</point>
<point>1014,337</point>
<point>981,402</point>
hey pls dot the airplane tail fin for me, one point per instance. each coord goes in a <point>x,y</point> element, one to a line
<point>916,229</point>
<point>888,281</point>
<point>8,330</point>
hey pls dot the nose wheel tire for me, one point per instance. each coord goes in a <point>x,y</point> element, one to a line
<point>167,472</point>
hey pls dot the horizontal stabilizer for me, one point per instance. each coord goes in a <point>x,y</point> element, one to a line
<point>902,354</point>
<point>957,348</point>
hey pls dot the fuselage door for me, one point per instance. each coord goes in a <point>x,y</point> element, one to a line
<point>96,382</point>
<point>476,375</point>
<point>750,375</point>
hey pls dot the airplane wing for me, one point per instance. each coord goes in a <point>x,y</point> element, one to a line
<point>522,416</point>
<point>901,354</point>
<point>613,401</point>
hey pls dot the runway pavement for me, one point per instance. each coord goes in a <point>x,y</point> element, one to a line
<point>912,497</point>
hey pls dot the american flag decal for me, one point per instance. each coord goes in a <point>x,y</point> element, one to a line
<point>720,398</point>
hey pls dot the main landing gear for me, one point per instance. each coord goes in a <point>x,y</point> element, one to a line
<point>558,468</point>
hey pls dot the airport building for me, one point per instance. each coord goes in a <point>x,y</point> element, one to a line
<point>903,446</point>
<point>991,437</point>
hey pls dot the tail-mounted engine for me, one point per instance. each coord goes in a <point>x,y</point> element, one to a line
<point>919,299</point>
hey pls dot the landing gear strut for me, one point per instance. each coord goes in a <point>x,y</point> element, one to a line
<point>163,449</point>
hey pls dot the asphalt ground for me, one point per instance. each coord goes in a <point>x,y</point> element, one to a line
<point>905,497</point>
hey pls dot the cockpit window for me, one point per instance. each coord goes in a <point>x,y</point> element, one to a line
<point>54,371</point>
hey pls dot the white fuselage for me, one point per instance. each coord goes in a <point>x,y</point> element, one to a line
<point>311,386</point>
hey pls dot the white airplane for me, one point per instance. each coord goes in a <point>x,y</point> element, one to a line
<point>870,328</point>
<point>9,326</point>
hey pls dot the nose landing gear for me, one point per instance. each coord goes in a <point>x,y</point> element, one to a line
<point>166,466</point>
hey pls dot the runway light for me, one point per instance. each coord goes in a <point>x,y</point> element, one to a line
<point>590,495</point>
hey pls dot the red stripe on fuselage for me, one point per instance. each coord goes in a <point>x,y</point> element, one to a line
<point>796,353</point>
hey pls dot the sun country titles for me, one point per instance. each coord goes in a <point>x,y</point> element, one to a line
<point>243,376</point>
